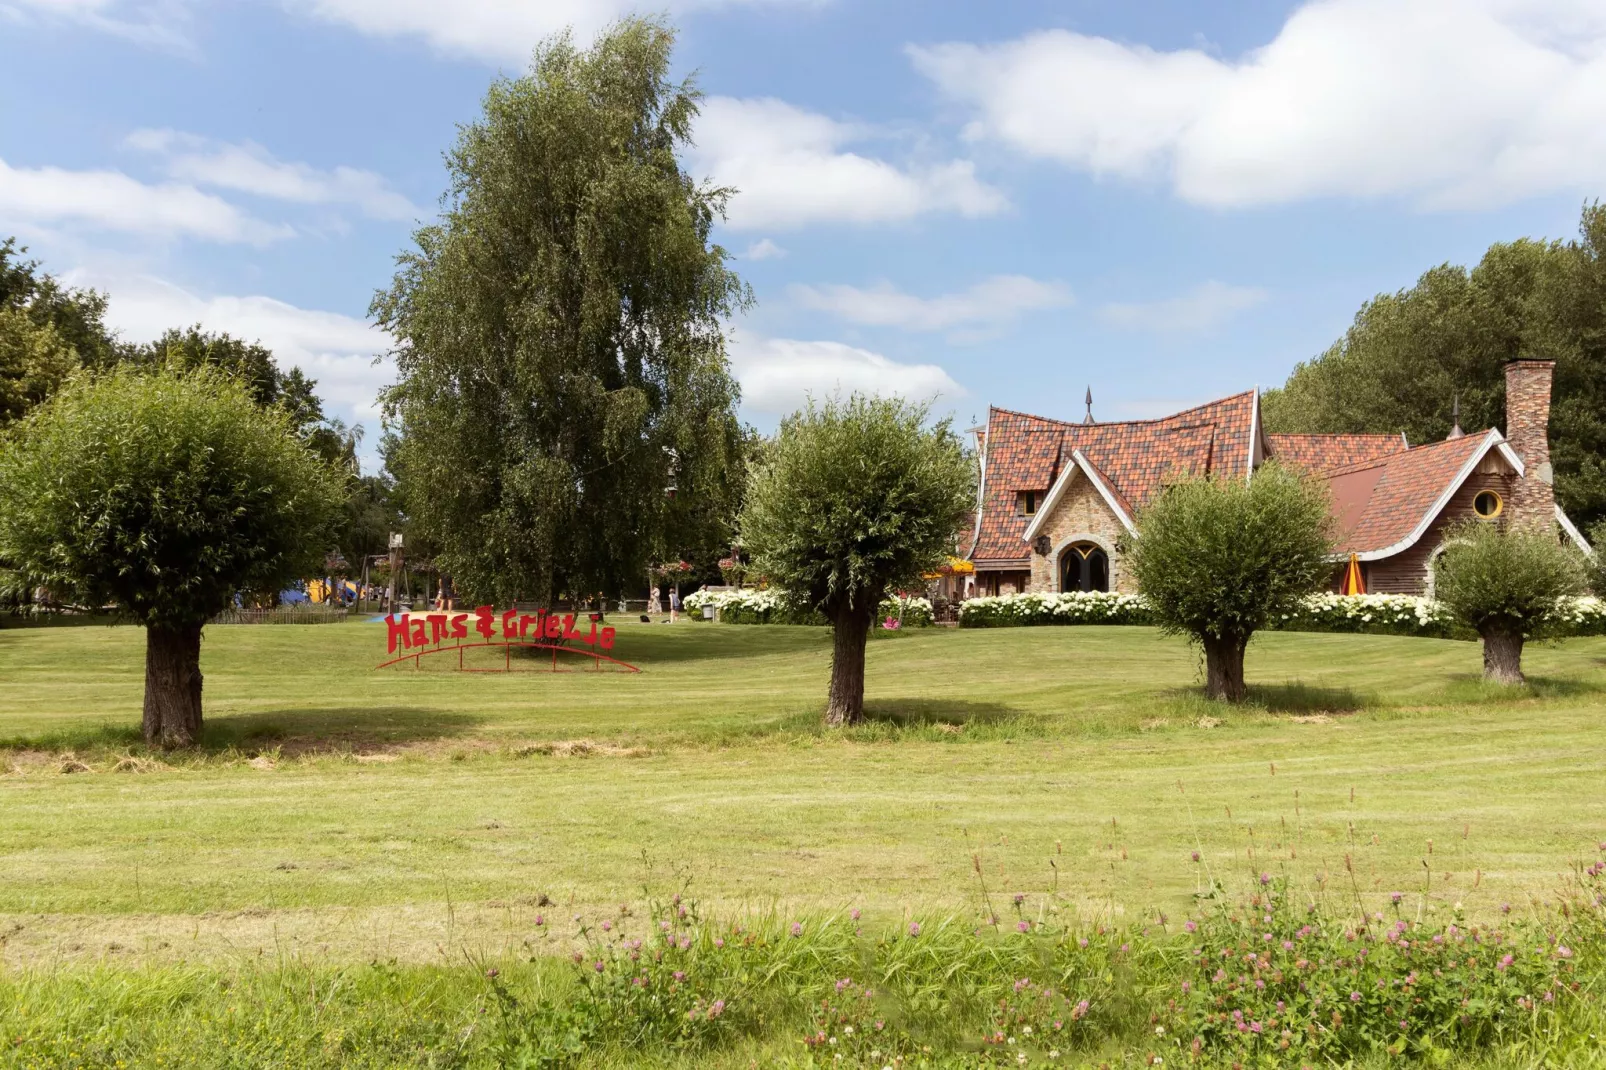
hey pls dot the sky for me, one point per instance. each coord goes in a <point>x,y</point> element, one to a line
<point>1004,203</point>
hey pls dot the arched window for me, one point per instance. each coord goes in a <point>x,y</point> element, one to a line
<point>1084,567</point>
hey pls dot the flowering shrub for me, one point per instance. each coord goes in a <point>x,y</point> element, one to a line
<point>767,606</point>
<point>1070,607</point>
<point>1390,614</point>
<point>1377,614</point>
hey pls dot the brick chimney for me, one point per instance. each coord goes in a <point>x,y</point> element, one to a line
<point>1528,433</point>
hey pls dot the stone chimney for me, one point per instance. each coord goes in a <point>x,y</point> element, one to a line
<point>1528,433</point>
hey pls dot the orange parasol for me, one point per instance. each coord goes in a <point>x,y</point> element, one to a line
<point>1353,583</point>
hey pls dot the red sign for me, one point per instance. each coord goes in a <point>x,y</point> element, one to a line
<point>417,635</point>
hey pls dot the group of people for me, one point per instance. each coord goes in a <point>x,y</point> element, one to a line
<point>655,604</point>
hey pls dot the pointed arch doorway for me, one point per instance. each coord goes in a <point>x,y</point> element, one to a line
<point>1084,566</point>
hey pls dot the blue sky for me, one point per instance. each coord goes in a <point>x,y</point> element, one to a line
<point>998,203</point>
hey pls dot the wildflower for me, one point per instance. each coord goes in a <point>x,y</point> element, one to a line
<point>854,914</point>
<point>1079,1011</point>
<point>1019,899</point>
<point>719,941</point>
<point>1354,997</point>
<point>599,966</point>
<point>664,925</point>
<point>1196,856</point>
<point>1395,898</point>
<point>1265,878</point>
<point>539,920</point>
<point>797,928</point>
<point>914,928</point>
<point>1564,952</point>
<point>680,975</point>
<point>847,1030</point>
<point>493,973</point>
<point>1186,988</point>
<point>1053,1053</point>
<point>1023,926</point>
<point>716,1008</point>
<point>607,926</point>
<point>1191,926</point>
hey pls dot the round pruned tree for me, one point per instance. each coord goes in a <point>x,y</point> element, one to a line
<point>1595,562</point>
<point>1504,583</point>
<point>851,500</point>
<point>162,494</point>
<point>1218,559</point>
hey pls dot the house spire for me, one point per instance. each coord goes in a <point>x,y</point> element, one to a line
<point>1088,419</point>
<point>1455,420</point>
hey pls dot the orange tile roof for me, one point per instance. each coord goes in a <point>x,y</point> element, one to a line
<point>1388,488</point>
<point>1410,484</point>
<point>1323,453</point>
<point>1134,457</point>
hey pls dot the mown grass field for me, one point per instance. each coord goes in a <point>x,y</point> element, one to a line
<point>347,813</point>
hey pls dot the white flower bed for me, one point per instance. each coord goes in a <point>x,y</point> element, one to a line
<point>753,605</point>
<point>1398,614</point>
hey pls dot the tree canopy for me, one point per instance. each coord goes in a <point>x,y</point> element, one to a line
<point>47,331</point>
<point>853,499</point>
<point>1411,354</point>
<point>565,407</point>
<point>162,493</point>
<point>1219,559</point>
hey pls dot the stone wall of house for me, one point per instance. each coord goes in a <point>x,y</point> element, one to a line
<point>1081,514</point>
<point>1407,572</point>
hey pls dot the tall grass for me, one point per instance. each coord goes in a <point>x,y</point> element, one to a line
<point>1280,975</point>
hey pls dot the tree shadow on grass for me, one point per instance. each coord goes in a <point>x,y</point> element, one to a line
<point>1292,697</point>
<point>1472,688</point>
<point>924,712</point>
<point>334,729</point>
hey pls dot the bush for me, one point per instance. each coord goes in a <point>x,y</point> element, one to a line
<point>1219,559</point>
<point>1507,585</point>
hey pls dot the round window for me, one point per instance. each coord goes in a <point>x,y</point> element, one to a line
<point>1487,504</point>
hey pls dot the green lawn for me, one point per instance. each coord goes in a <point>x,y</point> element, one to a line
<point>352,813</point>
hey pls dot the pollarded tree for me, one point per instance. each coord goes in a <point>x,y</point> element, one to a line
<point>1218,559</point>
<point>851,500</point>
<point>162,494</point>
<point>1504,583</point>
<point>560,332</point>
<point>1595,565</point>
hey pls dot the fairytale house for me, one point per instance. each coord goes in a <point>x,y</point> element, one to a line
<point>1056,497</point>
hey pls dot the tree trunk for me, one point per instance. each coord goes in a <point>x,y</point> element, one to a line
<point>1224,668</point>
<point>850,633</point>
<point>1502,657</point>
<point>172,686</point>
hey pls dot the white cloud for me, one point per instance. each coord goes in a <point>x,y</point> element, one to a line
<point>495,30</point>
<point>111,200</point>
<point>249,168</point>
<point>1451,103</point>
<point>338,351</point>
<point>1202,308</point>
<point>763,249</point>
<point>996,300</point>
<point>161,23</point>
<point>790,169</point>
<point>779,374</point>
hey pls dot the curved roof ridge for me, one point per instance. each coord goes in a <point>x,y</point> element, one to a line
<point>1112,423</point>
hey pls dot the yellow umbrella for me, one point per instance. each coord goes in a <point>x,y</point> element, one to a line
<point>1353,583</point>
